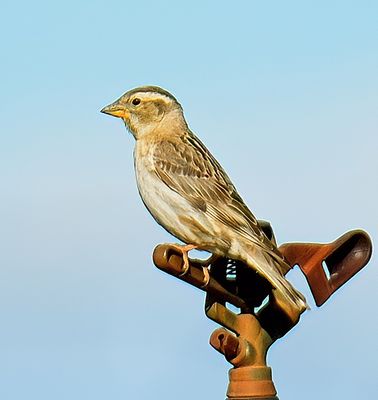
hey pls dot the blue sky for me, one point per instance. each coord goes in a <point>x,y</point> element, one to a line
<point>285,96</point>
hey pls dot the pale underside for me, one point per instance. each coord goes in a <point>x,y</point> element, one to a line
<point>189,194</point>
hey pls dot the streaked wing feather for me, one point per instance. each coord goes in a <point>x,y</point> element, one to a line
<point>187,167</point>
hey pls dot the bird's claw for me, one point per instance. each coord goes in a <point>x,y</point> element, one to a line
<point>185,256</point>
<point>186,265</point>
<point>206,277</point>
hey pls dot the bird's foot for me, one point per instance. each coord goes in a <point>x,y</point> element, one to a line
<point>204,264</point>
<point>206,277</point>
<point>185,255</point>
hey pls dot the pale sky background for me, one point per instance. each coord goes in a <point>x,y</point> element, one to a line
<point>284,93</point>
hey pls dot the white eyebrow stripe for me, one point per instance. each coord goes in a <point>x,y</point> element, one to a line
<point>153,95</point>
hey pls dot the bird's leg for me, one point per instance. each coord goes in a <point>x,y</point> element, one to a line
<point>203,263</point>
<point>206,276</point>
<point>185,255</point>
<point>211,260</point>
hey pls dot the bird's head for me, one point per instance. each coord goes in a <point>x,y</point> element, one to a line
<point>146,108</point>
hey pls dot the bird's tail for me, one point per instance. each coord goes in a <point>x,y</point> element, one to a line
<point>268,267</point>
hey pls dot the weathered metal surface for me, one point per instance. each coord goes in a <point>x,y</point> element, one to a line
<point>169,259</point>
<point>262,319</point>
<point>328,266</point>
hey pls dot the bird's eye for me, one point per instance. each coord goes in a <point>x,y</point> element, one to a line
<point>136,101</point>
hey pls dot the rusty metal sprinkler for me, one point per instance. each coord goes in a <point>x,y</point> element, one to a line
<point>246,337</point>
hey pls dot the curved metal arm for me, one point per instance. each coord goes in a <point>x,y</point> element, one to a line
<point>250,334</point>
<point>329,266</point>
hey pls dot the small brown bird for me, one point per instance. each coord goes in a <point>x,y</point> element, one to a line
<point>188,193</point>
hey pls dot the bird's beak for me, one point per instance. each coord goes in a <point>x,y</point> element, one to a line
<point>116,109</point>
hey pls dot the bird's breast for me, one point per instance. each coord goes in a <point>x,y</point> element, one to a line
<point>163,203</point>
<point>170,209</point>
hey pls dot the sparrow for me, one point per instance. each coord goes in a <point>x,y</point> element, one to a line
<point>189,194</point>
